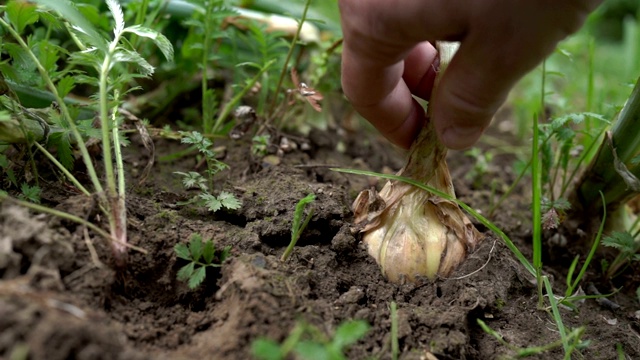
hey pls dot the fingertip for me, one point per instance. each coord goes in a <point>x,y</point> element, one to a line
<point>407,132</point>
<point>460,137</point>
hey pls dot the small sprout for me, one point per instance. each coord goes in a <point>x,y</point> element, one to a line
<point>194,180</point>
<point>298,226</point>
<point>260,145</point>
<point>30,193</point>
<point>200,256</point>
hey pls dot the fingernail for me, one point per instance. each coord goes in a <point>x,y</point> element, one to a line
<point>460,137</point>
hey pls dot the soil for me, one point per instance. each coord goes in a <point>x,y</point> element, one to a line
<point>61,297</point>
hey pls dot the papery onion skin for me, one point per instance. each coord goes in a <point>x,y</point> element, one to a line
<point>410,232</point>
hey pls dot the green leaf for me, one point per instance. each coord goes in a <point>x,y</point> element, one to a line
<point>60,141</point>
<point>118,16</point>
<point>229,201</point>
<point>635,160</point>
<point>195,246</point>
<point>160,40</point>
<point>299,211</point>
<point>208,252</point>
<point>182,251</point>
<point>350,332</point>
<point>65,85</point>
<point>210,202</point>
<point>4,163</point>
<point>265,349</point>
<point>186,271</point>
<point>21,14</point>
<point>31,193</point>
<point>309,350</point>
<point>197,277</point>
<point>71,14</point>
<point>225,253</point>
<point>621,240</point>
<point>128,56</point>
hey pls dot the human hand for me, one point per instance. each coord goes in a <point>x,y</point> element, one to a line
<point>386,58</point>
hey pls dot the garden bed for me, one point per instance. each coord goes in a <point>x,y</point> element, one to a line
<point>60,301</point>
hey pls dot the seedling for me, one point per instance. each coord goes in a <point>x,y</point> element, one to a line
<point>195,180</point>
<point>628,247</point>
<point>309,343</point>
<point>298,226</point>
<point>30,193</point>
<point>200,256</point>
<point>260,144</point>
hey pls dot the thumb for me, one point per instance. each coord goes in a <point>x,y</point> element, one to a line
<point>467,96</point>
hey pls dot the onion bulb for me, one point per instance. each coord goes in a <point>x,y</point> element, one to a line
<point>411,232</point>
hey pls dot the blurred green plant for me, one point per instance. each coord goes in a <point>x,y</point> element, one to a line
<point>309,343</point>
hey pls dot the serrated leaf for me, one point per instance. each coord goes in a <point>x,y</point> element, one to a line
<point>225,253</point>
<point>125,55</point>
<point>210,202</point>
<point>229,201</point>
<point>161,41</point>
<point>31,193</point>
<point>118,16</point>
<point>186,271</point>
<point>195,247</point>
<point>60,141</point>
<point>182,251</point>
<point>621,240</point>
<point>208,252</point>
<point>65,85</point>
<point>197,277</point>
<point>349,332</point>
<point>21,14</point>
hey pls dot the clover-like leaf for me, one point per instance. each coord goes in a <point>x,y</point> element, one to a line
<point>197,277</point>
<point>182,251</point>
<point>195,247</point>
<point>186,271</point>
<point>208,252</point>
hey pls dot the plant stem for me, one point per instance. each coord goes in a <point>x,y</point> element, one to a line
<point>536,190</point>
<point>234,101</point>
<point>67,216</point>
<point>63,169</point>
<point>207,117</point>
<point>594,247</point>
<point>274,103</point>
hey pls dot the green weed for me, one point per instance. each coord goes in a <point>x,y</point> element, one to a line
<point>309,343</point>
<point>201,255</point>
<point>298,225</point>
<point>194,180</point>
